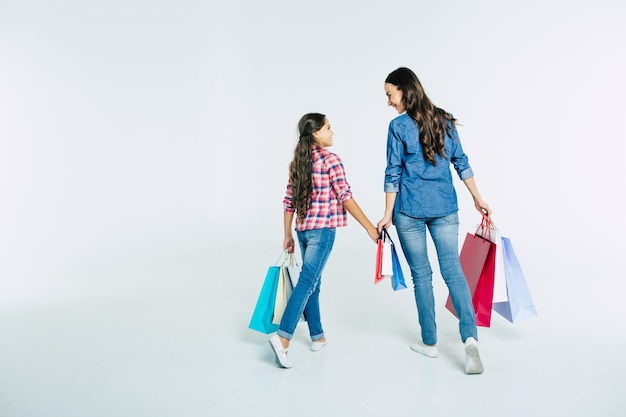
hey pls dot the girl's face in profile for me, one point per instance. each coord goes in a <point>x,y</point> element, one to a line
<point>394,97</point>
<point>324,136</point>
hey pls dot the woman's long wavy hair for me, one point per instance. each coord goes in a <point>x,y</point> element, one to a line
<point>301,167</point>
<point>432,121</point>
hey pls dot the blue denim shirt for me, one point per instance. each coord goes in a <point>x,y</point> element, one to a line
<point>424,190</point>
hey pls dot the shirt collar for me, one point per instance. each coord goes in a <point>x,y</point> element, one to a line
<point>317,148</point>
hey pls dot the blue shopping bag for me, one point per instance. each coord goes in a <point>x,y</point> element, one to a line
<point>264,311</point>
<point>520,305</point>
<point>397,280</point>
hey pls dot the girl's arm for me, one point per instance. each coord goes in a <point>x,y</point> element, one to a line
<point>390,202</point>
<point>288,243</point>
<point>355,210</point>
<point>479,203</point>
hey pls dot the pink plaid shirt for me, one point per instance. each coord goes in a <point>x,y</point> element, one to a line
<point>330,190</point>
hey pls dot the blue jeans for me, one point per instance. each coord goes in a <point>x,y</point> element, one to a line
<point>445,234</point>
<point>315,246</point>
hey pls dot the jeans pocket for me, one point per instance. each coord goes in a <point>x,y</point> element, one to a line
<point>398,220</point>
<point>403,222</point>
<point>451,218</point>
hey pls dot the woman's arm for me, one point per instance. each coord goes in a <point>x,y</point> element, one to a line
<point>479,203</point>
<point>390,202</point>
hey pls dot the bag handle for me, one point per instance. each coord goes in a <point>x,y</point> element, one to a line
<point>290,259</point>
<point>286,259</point>
<point>483,228</point>
<point>384,235</point>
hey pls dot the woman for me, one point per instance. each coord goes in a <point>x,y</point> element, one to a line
<point>422,142</point>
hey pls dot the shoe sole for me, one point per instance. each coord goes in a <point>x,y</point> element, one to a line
<point>473,357</point>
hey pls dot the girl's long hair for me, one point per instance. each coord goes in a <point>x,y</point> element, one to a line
<point>432,121</point>
<point>301,167</point>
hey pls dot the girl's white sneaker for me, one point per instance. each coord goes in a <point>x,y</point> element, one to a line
<point>280,352</point>
<point>317,346</point>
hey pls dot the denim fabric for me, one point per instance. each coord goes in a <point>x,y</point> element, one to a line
<point>445,234</point>
<point>424,189</point>
<point>315,246</point>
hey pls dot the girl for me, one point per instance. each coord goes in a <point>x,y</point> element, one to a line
<point>319,195</point>
<point>421,144</point>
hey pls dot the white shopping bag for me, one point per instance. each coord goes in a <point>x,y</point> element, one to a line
<point>387,263</point>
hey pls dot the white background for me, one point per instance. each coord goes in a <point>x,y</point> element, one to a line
<point>144,150</point>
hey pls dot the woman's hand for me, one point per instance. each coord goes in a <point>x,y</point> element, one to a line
<point>482,207</point>
<point>384,223</point>
<point>390,201</point>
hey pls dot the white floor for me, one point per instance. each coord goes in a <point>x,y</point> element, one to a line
<point>167,335</point>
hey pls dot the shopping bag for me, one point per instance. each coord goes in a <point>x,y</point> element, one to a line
<point>285,286</point>
<point>520,305</point>
<point>397,279</point>
<point>264,310</point>
<point>388,262</point>
<point>281,295</point>
<point>291,272</point>
<point>380,252</point>
<point>386,268</point>
<point>293,268</point>
<point>499,279</point>
<point>478,262</point>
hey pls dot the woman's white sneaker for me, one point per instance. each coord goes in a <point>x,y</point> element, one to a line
<point>473,364</point>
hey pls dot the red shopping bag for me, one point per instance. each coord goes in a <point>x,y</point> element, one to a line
<point>378,275</point>
<point>478,260</point>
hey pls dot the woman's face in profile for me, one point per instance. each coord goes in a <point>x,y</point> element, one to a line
<point>394,97</point>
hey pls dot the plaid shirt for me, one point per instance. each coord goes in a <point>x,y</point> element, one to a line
<point>330,190</point>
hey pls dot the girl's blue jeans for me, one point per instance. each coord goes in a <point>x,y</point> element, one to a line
<point>445,234</point>
<point>315,246</point>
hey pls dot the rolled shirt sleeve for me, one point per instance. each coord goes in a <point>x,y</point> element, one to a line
<point>288,200</point>
<point>395,152</point>
<point>457,157</point>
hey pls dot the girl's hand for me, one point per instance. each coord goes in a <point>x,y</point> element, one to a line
<point>288,244</point>
<point>373,234</point>
<point>384,223</point>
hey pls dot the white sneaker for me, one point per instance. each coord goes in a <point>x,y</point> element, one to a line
<point>280,352</point>
<point>473,364</point>
<point>317,346</point>
<point>430,351</point>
